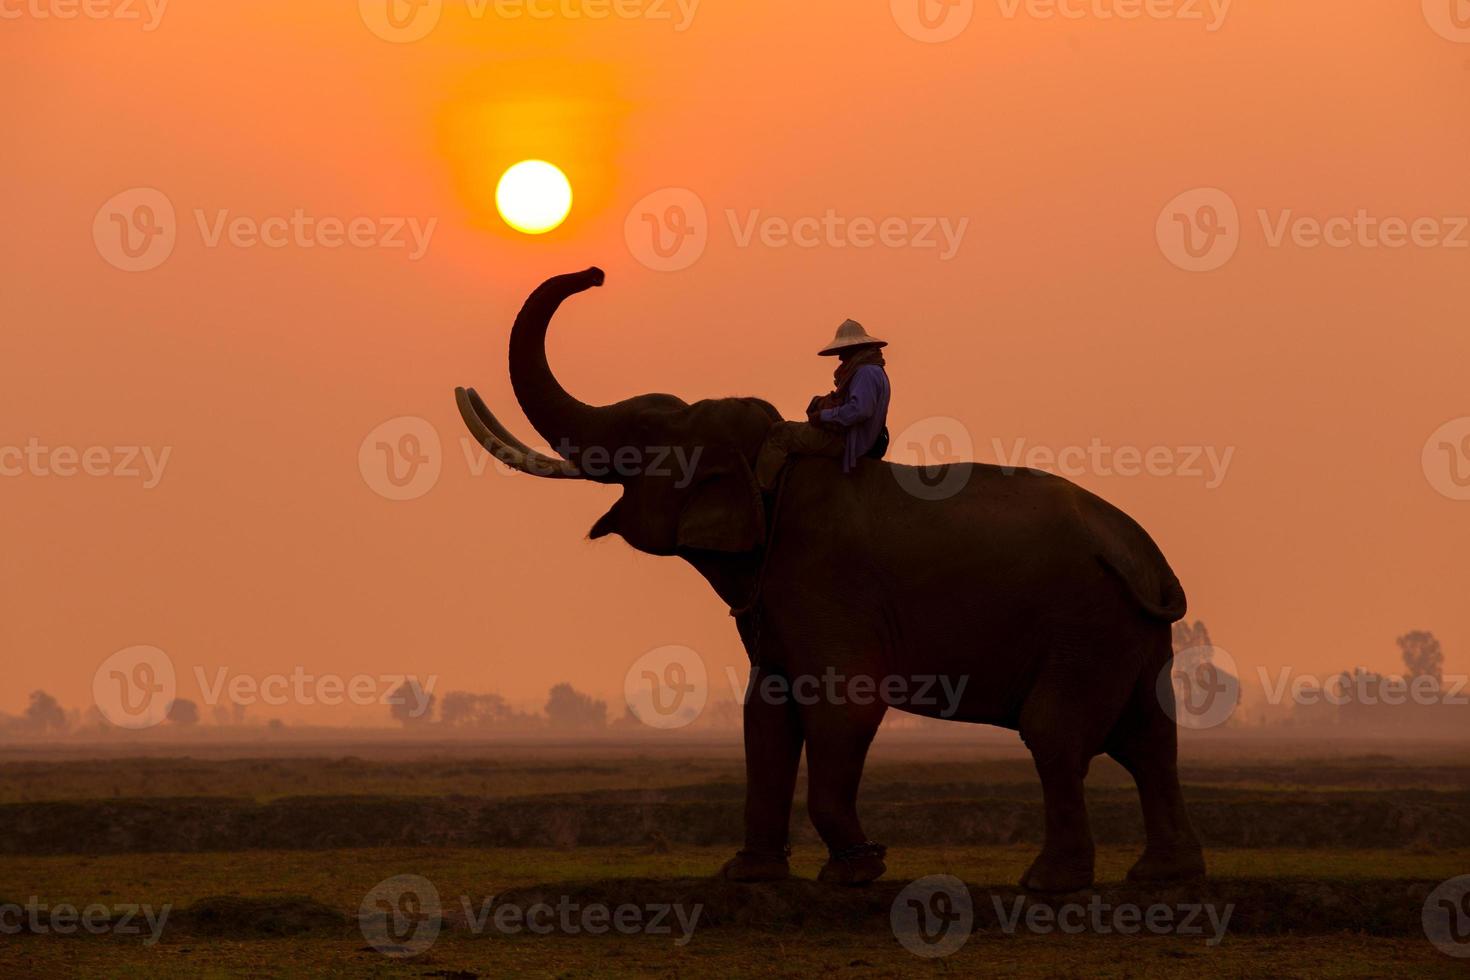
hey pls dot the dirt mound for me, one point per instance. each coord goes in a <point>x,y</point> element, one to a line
<point>229,916</point>
<point>1247,906</point>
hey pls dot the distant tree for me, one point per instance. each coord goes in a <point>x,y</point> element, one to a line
<point>1422,655</point>
<point>410,704</point>
<point>44,714</point>
<point>569,708</point>
<point>221,715</point>
<point>462,709</point>
<point>1192,636</point>
<point>183,712</point>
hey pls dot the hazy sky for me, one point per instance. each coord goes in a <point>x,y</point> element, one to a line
<point>1056,315</point>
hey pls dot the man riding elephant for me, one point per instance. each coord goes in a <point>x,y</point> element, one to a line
<point>846,424</point>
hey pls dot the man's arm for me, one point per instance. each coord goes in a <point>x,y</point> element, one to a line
<point>862,400</point>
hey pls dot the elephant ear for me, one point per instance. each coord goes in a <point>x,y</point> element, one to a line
<point>724,510</point>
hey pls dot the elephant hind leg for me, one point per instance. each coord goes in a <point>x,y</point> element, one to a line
<point>1145,742</point>
<point>1066,716</point>
<point>1065,863</point>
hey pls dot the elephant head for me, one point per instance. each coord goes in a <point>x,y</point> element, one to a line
<point>685,470</point>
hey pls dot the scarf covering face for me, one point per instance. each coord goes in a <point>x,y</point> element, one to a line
<point>841,378</point>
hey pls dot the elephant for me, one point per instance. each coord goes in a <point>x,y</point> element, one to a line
<point>1042,608</point>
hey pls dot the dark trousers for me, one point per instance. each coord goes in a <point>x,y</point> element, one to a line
<point>801,438</point>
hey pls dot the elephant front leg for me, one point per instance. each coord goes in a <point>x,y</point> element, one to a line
<point>837,741</point>
<point>773,740</point>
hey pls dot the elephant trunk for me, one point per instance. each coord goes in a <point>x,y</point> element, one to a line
<point>567,424</point>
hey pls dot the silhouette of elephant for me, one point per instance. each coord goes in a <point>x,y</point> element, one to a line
<point>1040,607</point>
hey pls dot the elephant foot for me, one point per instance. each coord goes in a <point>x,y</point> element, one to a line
<point>751,865</point>
<point>1058,872</point>
<point>1180,864</point>
<point>855,865</point>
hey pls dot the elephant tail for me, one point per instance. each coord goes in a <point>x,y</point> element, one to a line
<point>1126,550</point>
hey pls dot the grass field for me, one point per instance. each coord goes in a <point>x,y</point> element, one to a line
<point>1390,849</point>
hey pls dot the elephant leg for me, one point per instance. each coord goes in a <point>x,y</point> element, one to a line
<point>773,739</point>
<point>1145,742</point>
<point>1076,701</point>
<point>837,741</point>
<point>1065,863</point>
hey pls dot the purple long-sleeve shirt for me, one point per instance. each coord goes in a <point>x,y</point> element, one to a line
<point>864,413</point>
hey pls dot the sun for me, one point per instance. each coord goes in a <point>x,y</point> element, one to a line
<point>533,197</point>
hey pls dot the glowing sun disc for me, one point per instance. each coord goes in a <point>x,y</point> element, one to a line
<point>534,197</point>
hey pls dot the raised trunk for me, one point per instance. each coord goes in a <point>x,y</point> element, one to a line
<point>568,425</point>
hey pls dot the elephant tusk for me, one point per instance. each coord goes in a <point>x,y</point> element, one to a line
<point>488,431</point>
<point>495,426</point>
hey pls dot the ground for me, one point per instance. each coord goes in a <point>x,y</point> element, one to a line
<point>1350,841</point>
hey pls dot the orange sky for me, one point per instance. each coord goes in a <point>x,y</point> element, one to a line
<point>1059,320</point>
